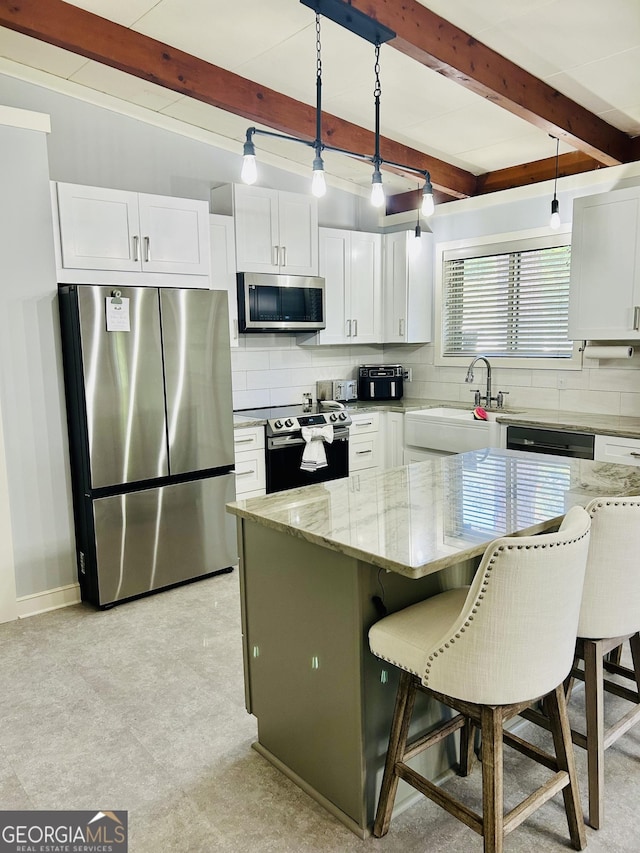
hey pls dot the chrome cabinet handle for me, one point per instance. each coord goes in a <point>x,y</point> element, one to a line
<point>362,423</point>
<point>136,240</point>
<point>283,256</point>
<point>355,328</point>
<point>147,250</point>
<point>636,317</point>
<point>362,452</point>
<point>348,328</point>
<point>633,453</point>
<point>235,330</point>
<point>274,256</point>
<point>242,440</point>
<point>244,473</point>
<point>401,327</point>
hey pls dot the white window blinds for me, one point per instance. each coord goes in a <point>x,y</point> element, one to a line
<point>513,303</point>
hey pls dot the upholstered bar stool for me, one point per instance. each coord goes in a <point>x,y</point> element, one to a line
<point>487,651</point>
<point>609,616</point>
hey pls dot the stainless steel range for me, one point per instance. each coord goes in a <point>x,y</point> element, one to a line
<point>285,445</point>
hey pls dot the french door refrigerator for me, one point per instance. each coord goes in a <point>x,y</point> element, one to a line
<point>148,389</point>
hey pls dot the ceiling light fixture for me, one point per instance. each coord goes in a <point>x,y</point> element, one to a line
<point>554,222</point>
<point>357,22</point>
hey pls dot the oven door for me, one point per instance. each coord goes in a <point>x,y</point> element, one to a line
<point>284,455</point>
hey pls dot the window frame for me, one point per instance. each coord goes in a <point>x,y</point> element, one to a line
<point>500,244</point>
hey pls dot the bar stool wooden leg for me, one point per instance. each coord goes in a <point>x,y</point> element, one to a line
<point>405,700</point>
<point>594,708</point>
<point>634,642</point>
<point>467,754</point>
<point>556,708</point>
<point>492,780</point>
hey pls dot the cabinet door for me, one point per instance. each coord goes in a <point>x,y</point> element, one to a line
<point>407,288</point>
<point>394,439</point>
<point>256,223</point>
<point>365,291</point>
<point>223,266</point>
<point>395,287</point>
<point>298,234</point>
<point>98,228</point>
<point>334,267</point>
<point>174,234</point>
<point>605,267</point>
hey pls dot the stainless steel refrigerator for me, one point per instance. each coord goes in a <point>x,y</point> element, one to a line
<point>148,388</point>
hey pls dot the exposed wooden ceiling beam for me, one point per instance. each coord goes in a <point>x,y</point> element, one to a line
<point>89,35</point>
<point>443,47</point>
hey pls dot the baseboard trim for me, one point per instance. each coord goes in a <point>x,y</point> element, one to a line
<point>50,599</point>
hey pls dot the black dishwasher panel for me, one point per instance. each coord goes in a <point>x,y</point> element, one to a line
<point>559,442</point>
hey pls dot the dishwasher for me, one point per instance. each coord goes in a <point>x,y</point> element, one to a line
<point>558,442</point>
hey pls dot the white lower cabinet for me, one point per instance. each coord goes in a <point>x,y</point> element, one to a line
<point>365,442</point>
<point>611,448</point>
<point>251,479</point>
<point>393,439</point>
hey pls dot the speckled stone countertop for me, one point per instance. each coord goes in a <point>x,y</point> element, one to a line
<point>421,518</point>
<point>617,425</point>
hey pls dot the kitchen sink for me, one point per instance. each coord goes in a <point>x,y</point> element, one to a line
<point>451,430</point>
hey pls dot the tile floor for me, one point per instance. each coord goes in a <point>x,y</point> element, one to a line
<point>141,708</point>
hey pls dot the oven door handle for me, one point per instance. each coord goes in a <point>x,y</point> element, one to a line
<point>279,442</point>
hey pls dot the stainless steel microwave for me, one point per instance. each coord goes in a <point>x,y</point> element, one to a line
<point>280,303</point>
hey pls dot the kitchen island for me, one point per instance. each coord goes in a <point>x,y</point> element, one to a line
<point>319,565</point>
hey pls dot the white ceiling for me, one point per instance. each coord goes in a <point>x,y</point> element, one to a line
<point>587,51</point>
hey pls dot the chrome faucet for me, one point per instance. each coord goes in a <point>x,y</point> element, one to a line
<point>488,399</point>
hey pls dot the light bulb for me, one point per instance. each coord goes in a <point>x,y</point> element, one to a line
<point>318,183</point>
<point>428,205</point>
<point>249,173</point>
<point>377,190</point>
<point>554,222</point>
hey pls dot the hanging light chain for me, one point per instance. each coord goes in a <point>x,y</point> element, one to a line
<point>318,48</point>
<point>376,70</point>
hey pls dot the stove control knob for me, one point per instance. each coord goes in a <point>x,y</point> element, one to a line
<point>333,417</point>
<point>288,422</point>
<point>278,424</point>
<point>342,416</point>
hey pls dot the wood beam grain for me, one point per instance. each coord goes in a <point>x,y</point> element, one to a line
<point>574,163</point>
<point>443,47</point>
<point>96,38</point>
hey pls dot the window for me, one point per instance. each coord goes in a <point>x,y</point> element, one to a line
<point>508,300</point>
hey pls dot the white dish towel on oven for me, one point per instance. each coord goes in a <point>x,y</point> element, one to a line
<point>314,455</point>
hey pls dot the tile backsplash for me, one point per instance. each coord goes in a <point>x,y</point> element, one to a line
<point>272,370</point>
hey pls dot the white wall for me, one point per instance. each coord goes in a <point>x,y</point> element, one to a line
<point>31,395</point>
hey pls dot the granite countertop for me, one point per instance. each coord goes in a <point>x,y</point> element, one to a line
<point>421,518</point>
<point>617,425</point>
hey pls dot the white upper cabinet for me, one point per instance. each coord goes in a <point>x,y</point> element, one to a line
<point>605,267</point>
<point>223,266</point>
<point>116,230</point>
<point>351,265</point>
<point>276,232</point>
<point>407,288</point>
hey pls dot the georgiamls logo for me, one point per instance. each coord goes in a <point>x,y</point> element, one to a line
<point>63,831</point>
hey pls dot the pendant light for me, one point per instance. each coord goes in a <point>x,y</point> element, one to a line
<point>377,190</point>
<point>318,183</point>
<point>554,222</point>
<point>366,27</point>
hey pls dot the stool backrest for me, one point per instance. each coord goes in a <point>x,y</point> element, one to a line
<point>611,595</point>
<point>515,637</point>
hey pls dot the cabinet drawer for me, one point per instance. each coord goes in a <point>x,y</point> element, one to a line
<point>249,438</point>
<point>364,452</point>
<point>250,472</point>
<point>364,423</point>
<point>610,448</point>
